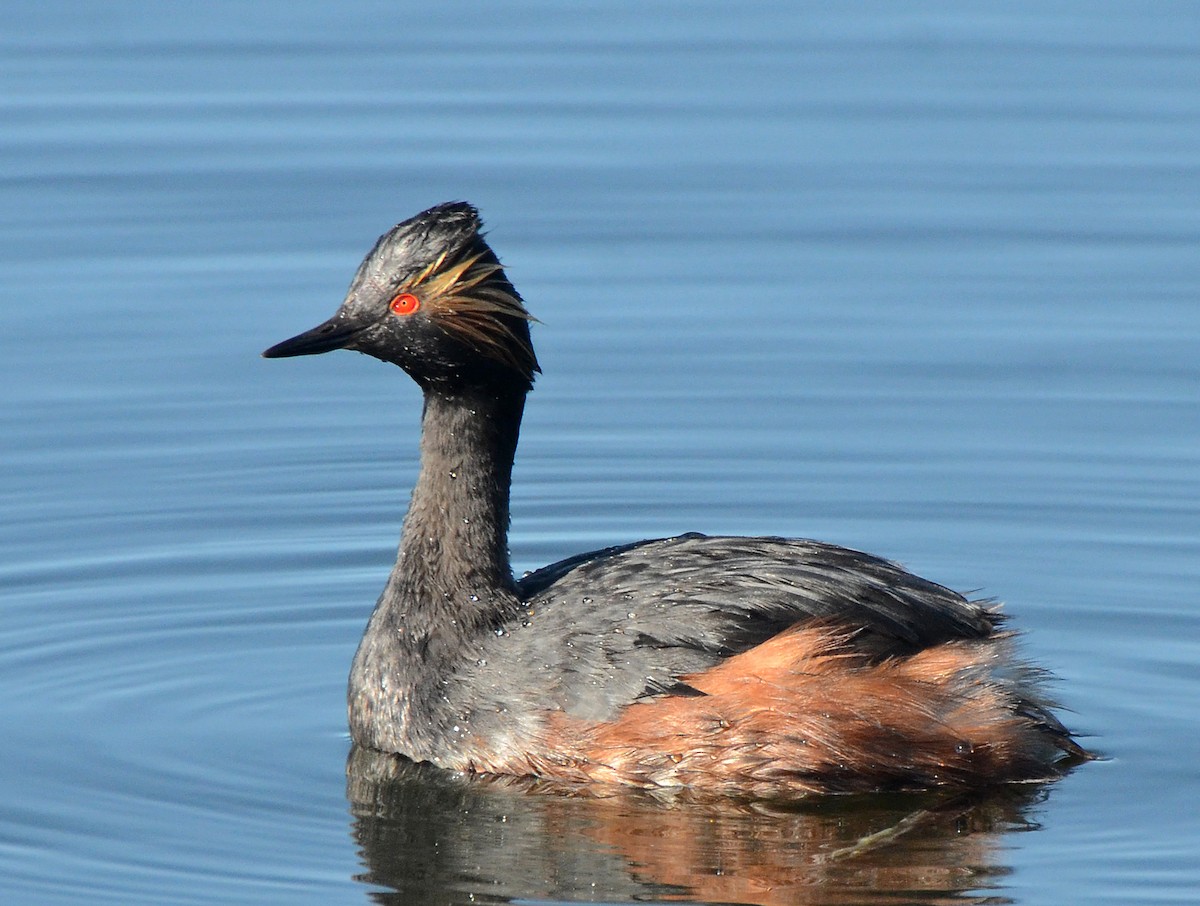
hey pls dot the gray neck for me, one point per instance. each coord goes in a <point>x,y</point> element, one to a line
<point>452,582</point>
<point>453,560</point>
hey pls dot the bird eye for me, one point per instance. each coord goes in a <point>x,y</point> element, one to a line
<point>405,304</point>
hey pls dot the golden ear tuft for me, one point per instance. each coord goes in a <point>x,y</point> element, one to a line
<point>469,304</point>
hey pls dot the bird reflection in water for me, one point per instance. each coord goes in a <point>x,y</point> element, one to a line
<point>433,836</point>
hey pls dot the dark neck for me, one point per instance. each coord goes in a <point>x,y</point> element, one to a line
<point>452,574</point>
<point>451,585</point>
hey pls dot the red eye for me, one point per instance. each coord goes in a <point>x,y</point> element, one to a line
<point>405,304</point>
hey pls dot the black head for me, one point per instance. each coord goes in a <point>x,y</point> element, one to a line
<point>431,297</point>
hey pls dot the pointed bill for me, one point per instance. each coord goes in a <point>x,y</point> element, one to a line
<point>336,333</point>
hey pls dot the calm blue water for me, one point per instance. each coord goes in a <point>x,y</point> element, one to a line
<point>917,278</point>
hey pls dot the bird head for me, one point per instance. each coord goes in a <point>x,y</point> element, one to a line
<point>431,297</point>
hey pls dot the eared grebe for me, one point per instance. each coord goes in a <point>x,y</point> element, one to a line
<point>736,664</point>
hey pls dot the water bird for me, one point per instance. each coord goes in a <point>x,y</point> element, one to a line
<point>752,665</point>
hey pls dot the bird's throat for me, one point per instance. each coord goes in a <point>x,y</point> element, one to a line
<point>453,562</point>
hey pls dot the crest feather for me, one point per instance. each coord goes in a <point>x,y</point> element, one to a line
<point>477,309</point>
